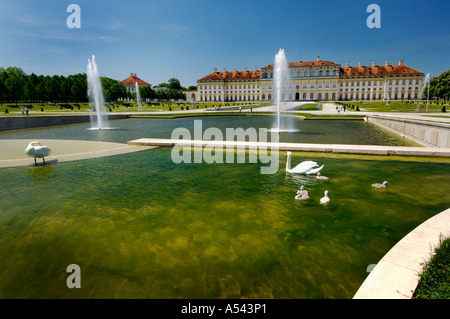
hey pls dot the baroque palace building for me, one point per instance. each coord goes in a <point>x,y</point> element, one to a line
<point>130,83</point>
<point>319,80</point>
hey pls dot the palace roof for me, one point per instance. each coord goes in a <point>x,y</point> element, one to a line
<point>306,64</point>
<point>344,72</point>
<point>132,79</point>
<point>377,70</point>
<point>232,76</point>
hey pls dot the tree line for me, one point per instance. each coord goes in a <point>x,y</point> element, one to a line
<point>440,86</point>
<point>16,86</point>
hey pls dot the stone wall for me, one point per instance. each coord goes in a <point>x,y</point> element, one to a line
<point>430,134</point>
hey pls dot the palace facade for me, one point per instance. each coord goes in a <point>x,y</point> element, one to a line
<point>130,83</point>
<point>319,80</point>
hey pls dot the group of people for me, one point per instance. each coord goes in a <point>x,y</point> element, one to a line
<point>24,110</point>
<point>342,108</point>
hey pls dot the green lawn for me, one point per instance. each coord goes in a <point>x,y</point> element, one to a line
<point>434,280</point>
<point>309,107</point>
<point>35,109</point>
<point>397,106</point>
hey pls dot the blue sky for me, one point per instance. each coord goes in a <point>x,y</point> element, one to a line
<point>159,40</point>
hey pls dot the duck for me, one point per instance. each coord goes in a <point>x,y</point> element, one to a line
<point>378,185</point>
<point>306,167</point>
<point>302,194</point>
<point>37,150</point>
<point>321,177</point>
<point>325,200</point>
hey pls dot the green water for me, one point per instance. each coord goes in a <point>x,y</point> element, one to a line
<point>140,226</point>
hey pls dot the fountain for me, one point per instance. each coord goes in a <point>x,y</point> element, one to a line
<point>280,81</point>
<point>99,120</point>
<point>371,92</point>
<point>384,89</point>
<point>138,97</point>
<point>425,82</point>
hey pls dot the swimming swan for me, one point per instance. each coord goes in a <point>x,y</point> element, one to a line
<point>326,199</point>
<point>321,177</point>
<point>302,194</point>
<point>306,167</point>
<point>378,185</point>
<point>302,197</point>
<point>302,191</point>
<point>36,149</point>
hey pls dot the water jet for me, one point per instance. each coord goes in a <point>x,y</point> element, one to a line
<point>95,93</point>
<point>280,81</point>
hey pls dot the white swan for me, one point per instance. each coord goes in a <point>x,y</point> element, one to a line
<point>302,197</point>
<point>321,177</point>
<point>325,199</point>
<point>378,185</point>
<point>302,194</point>
<point>302,191</point>
<point>36,149</point>
<point>306,167</point>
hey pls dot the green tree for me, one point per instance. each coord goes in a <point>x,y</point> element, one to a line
<point>174,84</point>
<point>107,84</point>
<point>79,87</point>
<point>161,95</point>
<point>30,87</point>
<point>163,85</point>
<point>4,92</point>
<point>440,86</point>
<point>116,91</point>
<point>129,95</point>
<point>53,88</point>
<point>147,92</point>
<point>66,89</point>
<point>15,83</point>
<point>40,89</point>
